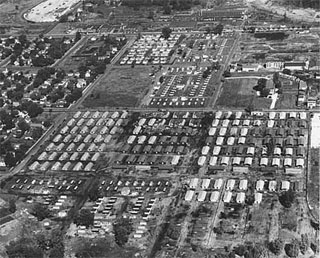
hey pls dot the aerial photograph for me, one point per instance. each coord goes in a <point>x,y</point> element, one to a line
<point>159,128</point>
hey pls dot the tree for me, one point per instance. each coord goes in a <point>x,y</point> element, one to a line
<point>94,193</point>
<point>12,206</point>
<point>227,73</point>
<point>151,15</point>
<point>40,211</point>
<point>286,71</point>
<point>23,247</point>
<point>278,84</point>
<point>276,246</point>
<point>264,92</point>
<point>292,249</point>
<point>32,108</point>
<point>47,123</point>
<point>218,29</point>
<point>98,247</point>
<point>23,125</point>
<point>304,243</point>
<point>240,250</point>
<point>10,160</point>
<point>166,32</point>
<point>36,133</point>
<point>249,108</point>
<point>167,10</point>
<point>56,244</point>
<point>78,36</point>
<point>287,198</point>
<point>275,77</point>
<point>122,228</point>
<point>315,247</point>
<point>84,218</point>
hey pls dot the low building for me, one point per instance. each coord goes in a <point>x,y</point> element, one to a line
<point>295,66</point>
<point>250,67</point>
<point>274,65</point>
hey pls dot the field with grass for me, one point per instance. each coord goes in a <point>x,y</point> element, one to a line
<point>313,182</point>
<point>286,101</point>
<point>238,93</point>
<point>121,87</point>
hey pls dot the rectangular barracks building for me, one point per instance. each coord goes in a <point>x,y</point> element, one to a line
<point>218,15</point>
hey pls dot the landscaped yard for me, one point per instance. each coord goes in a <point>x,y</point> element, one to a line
<point>122,87</point>
<point>238,93</point>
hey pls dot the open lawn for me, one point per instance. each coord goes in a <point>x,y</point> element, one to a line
<point>238,93</point>
<point>286,100</point>
<point>122,87</point>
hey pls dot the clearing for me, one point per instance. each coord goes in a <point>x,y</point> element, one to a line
<point>121,87</point>
<point>238,93</point>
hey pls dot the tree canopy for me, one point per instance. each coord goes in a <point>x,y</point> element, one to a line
<point>166,32</point>
<point>287,198</point>
<point>122,228</point>
<point>84,218</point>
<point>40,211</point>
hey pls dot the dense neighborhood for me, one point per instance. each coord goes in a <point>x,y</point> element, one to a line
<point>139,128</point>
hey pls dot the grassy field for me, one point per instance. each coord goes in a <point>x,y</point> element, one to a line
<point>122,87</point>
<point>313,182</point>
<point>238,93</point>
<point>286,100</point>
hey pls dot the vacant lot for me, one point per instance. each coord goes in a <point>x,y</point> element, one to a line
<point>122,87</point>
<point>286,100</point>
<point>238,93</point>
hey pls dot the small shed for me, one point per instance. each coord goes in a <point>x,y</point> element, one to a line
<point>275,162</point>
<point>227,196</point>
<point>230,184</point>
<point>225,161</point>
<point>240,197</point>
<point>264,161</point>
<point>205,183</point>
<point>218,184</point>
<point>285,185</point>
<point>236,161</point>
<point>213,161</point>
<point>300,163</point>
<point>202,160</point>
<point>257,198</point>
<point>272,186</point>
<point>214,196</point>
<point>194,183</point>
<point>248,161</point>
<point>202,196</point>
<point>189,195</point>
<point>260,185</point>
<point>243,184</point>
